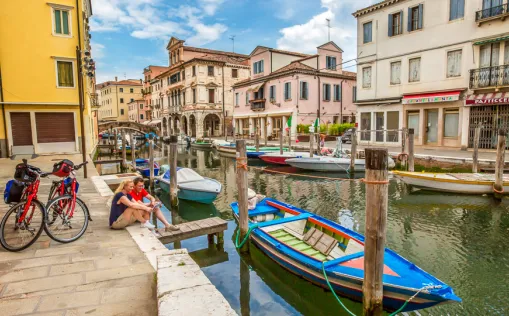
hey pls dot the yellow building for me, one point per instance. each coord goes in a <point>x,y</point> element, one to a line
<point>39,83</point>
<point>115,95</point>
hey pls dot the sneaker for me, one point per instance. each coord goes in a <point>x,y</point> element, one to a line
<point>171,228</point>
<point>147,225</point>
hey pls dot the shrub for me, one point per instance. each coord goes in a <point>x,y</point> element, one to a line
<point>303,128</point>
<point>338,129</point>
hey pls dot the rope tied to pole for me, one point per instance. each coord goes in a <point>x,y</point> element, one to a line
<point>497,191</point>
<point>402,155</point>
<point>246,238</point>
<point>374,182</point>
<point>241,163</point>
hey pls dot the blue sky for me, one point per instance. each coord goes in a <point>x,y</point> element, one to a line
<point>128,35</point>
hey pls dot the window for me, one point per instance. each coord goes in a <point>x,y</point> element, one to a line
<point>183,75</point>
<point>121,111</point>
<point>303,90</point>
<point>326,92</point>
<point>237,99</point>
<point>396,23</point>
<point>61,21</point>
<point>456,9</point>
<point>366,126</point>
<point>141,116</point>
<point>210,70</point>
<point>288,90</point>
<point>413,121</point>
<point>65,74</point>
<point>258,95</point>
<point>194,71</point>
<point>330,62</point>
<point>454,63</point>
<point>194,95</point>
<point>367,32</point>
<point>121,100</point>
<point>354,94</point>
<point>184,97</point>
<point>132,100</point>
<point>258,67</point>
<point>366,77</point>
<point>272,93</point>
<point>131,90</point>
<point>247,98</point>
<point>415,18</point>
<point>451,122</point>
<point>414,74</point>
<point>396,72</point>
<point>211,95</point>
<point>235,73</point>
<point>141,106</point>
<point>121,89</point>
<point>337,92</point>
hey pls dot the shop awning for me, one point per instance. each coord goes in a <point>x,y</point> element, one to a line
<point>155,122</point>
<point>493,40</point>
<point>255,88</point>
<point>487,99</point>
<point>431,97</point>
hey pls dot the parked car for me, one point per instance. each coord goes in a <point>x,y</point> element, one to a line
<point>347,136</point>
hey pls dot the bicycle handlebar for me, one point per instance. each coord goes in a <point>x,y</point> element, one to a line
<point>77,167</point>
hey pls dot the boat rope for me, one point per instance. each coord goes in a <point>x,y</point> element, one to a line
<point>333,292</point>
<point>497,191</point>
<point>241,163</point>
<point>374,182</point>
<point>246,238</point>
<point>302,175</point>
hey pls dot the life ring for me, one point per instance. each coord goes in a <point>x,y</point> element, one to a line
<point>402,154</point>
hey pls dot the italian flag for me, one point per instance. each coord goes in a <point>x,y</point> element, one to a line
<point>288,124</point>
<point>316,124</point>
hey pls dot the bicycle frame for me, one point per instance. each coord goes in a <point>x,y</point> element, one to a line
<point>60,191</point>
<point>31,193</point>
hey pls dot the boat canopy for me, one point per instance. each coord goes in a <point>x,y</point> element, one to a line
<point>184,175</point>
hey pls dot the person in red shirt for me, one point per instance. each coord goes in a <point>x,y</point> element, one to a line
<point>139,193</point>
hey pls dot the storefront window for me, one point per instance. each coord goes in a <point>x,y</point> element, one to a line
<point>451,122</point>
<point>393,126</point>
<point>379,126</point>
<point>366,126</point>
<point>413,121</point>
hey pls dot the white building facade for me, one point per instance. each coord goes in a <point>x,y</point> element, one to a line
<point>439,67</point>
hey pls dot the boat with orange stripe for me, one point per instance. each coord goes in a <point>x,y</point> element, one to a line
<point>305,243</point>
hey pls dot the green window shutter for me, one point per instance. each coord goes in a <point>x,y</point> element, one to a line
<point>65,22</point>
<point>391,19</point>
<point>421,15</point>
<point>58,22</point>
<point>65,74</point>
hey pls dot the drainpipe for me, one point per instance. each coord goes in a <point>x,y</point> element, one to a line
<point>224,113</point>
<point>318,114</point>
<point>341,102</point>
<point>3,115</point>
<point>81,91</point>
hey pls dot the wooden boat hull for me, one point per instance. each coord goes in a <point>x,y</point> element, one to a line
<point>202,145</point>
<point>345,273</point>
<point>281,159</point>
<point>444,183</point>
<point>326,165</point>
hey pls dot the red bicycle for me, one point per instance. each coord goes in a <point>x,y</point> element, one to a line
<point>67,215</point>
<point>24,221</point>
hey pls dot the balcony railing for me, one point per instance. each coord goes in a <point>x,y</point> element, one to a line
<point>488,77</point>
<point>492,12</point>
<point>258,105</point>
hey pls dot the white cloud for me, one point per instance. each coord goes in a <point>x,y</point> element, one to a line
<point>210,6</point>
<point>206,33</point>
<point>307,36</point>
<point>97,50</point>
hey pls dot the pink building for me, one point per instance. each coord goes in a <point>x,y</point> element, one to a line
<point>137,111</point>
<point>150,73</point>
<point>284,84</point>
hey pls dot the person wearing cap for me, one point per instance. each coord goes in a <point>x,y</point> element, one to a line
<point>253,199</point>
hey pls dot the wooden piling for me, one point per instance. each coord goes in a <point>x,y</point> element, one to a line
<point>290,139</point>
<point>353,151</point>
<point>265,129</point>
<point>411,149</point>
<point>151,160</point>
<point>403,148</point>
<point>498,187</point>
<point>115,142</point>
<point>133,150</point>
<point>375,229</point>
<point>242,191</point>
<point>173,170</point>
<point>257,139</point>
<point>210,134</point>
<point>475,154</point>
<point>124,150</point>
<point>281,140</point>
<point>311,144</point>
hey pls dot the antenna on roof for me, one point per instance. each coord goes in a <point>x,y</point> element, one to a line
<point>233,42</point>
<point>125,76</point>
<point>328,27</point>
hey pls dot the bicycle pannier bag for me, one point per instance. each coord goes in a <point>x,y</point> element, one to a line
<point>68,182</point>
<point>24,174</point>
<point>13,191</point>
<point>62,168</point>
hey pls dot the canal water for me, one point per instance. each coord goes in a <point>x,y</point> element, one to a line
<point>460,239</point>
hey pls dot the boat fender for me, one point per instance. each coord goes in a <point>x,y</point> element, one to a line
<point>264,217</point>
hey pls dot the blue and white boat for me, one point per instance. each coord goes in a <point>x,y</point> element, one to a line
<point>191,186</point>
<point>307,244</point>
<point>143,167</point>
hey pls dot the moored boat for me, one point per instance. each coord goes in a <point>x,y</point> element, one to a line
<point>309,245</point>
<point>470,183</point>
<point>326,164</point>
<point>143,167</point>
<point>280,159</point>
<point>202,145</point>
<point>192,186</point>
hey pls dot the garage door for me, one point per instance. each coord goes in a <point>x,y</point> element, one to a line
<point>21,129</point>
<point>55,127</point>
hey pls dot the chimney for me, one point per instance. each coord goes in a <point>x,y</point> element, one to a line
<point>116,78</point>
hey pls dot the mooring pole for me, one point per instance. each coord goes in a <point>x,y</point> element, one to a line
<point>311,144</point>
<point>173,170</point>
<point>151,160</point>
<point>265,124</point>
<point>257,139</point>
<point>353,151</point>
<point>403,148</point>
<point>245,294</point>
<point>210,135</point>
<point>115,142</point>
<point>281,141</point>
<point>124,150</point>
<point>498,187</point>
<point>411,150</point>
<point>290,138</point>
<point>133,150</point>
<point>475,154</point>
<point>375,229</point>
<point>240,145</point>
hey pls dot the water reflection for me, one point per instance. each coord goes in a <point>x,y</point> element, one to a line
<point>459,239</point>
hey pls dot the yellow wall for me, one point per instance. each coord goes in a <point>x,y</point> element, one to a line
<point>114,101</point>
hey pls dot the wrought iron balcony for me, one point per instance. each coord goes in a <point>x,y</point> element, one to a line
<point>488,77</point>
<point>257,105</point>
<point>494,12</point>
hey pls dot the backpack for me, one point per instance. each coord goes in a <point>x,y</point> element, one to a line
<point>13,191</point>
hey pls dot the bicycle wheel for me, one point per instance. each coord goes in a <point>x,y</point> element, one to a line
<point>66,221</point>
<point>16,236</point>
